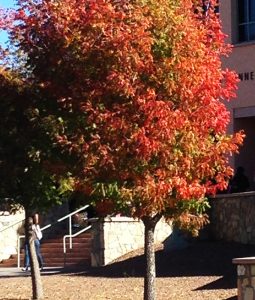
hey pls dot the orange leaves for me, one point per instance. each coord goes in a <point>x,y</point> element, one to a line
<point>145,147</point>
<point>229,84</point>
<point>190,190</point>
<point>149,195</point>
<point>139,89</point>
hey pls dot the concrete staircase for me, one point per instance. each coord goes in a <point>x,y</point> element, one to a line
<point>52,252</point>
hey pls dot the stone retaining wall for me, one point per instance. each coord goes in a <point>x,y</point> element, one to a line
<point>117,236</point>
<point>245,277</point>
<point>233,217</point>
<point>8,237</point>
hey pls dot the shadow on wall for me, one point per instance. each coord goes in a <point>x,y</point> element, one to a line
<point>176,241</point>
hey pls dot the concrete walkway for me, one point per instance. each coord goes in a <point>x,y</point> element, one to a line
<point>17,272</point>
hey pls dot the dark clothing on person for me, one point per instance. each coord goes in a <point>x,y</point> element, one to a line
<point>240,182</point>
<point>26,259</point>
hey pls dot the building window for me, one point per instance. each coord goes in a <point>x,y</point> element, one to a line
<point>207,5</point>
<point>246,20</point>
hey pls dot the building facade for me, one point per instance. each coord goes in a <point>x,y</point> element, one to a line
<point>238,20</point>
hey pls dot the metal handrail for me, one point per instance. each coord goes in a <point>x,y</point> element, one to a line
<point>18,249</point>
<point>72,236</point>
<point>52,224</point>
<point>9,226</point>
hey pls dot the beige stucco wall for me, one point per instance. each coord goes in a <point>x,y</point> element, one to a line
<point>242,58</point>
<point>8,237</point>
<point>242,109</point>
<point>225,16</point>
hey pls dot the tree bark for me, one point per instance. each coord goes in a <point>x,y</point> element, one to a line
<point>150,275</point>
<point>37,288</point>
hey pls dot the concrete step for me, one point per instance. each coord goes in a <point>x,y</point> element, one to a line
<point>84,254</point>
<point>57,251</point>
<point>68,263</point>
<point>84,235</point>
<point>60,259</point>
<point>8,263</point>
<point>52,252</point>
<point>60,243</point>
<point>60,240</point>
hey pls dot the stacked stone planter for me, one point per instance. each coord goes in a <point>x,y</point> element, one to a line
<point>116,236</point>
<point>232,217</point>
<point>245,277</point>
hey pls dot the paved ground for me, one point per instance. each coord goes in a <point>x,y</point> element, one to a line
<point>17,272</point>
<point>204,270</point>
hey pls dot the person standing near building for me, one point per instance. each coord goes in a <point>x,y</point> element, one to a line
<point>240,182</point>
<point>26,259</point>
<point>37,236</point>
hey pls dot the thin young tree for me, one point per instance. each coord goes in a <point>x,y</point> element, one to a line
<point>24,147</point>
<point>132,94</point>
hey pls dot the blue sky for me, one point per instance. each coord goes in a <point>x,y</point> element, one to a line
<point>5,4</point>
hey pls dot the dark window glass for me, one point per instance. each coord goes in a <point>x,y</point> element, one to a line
<point>206,5</point>
<point>243,33</point>
<point>252,32</point>
<point>246,20</point>
<point>242,8</point>
<point>252,11</point>
<point>217,7</point>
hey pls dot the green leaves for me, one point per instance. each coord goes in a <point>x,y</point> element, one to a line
<point>198,207</point>
<point>66,185</point>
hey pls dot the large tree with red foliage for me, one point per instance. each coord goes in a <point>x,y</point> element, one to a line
<point>131,94</point>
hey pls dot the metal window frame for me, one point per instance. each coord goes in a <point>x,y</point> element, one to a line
<point>248,23</point>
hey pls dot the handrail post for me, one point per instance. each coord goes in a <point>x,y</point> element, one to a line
<point>9,226</point>
<point>74,235</point>
<point>18,250</point>
<point>64,246</point>
<point>69,216</point>
<point>70,232</point>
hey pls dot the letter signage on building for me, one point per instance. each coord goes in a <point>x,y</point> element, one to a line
<point>245,76</point>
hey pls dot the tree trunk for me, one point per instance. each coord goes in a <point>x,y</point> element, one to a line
<point>150,275</point>
<point>37,288</point>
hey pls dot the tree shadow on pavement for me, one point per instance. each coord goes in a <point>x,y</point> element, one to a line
<point>200,258</point>
<point>14,298</point>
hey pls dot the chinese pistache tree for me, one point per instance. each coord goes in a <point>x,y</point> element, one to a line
<point>133,94</point>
